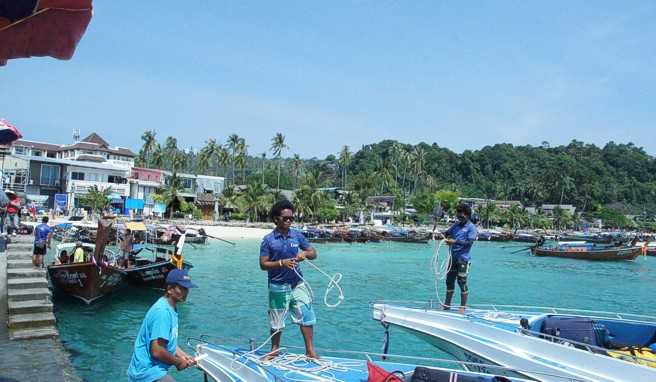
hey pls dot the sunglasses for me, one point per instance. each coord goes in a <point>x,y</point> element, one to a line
<point>287,218</point>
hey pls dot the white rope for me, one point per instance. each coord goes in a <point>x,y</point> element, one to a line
<point>440,268</point>
<point>333,282</point>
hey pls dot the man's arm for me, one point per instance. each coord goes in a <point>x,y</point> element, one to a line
<point>159,352</point>
<point>308,251</point>
<point>267,265</point>
<point>182,354</point>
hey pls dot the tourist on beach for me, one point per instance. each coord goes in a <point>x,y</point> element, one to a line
<point>281,252</point>
<point>78,254</point>
<point>459,237</point>
<point>42,239</point>
<point>156,346</point>
<point>13,208</point>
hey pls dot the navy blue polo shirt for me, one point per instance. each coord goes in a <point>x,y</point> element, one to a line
<point>464,235</point>
<point>276,247</point>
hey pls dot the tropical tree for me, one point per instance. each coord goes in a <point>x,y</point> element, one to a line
<point>233,146</point>
<point>170,195</point>
<point>278,145</point>
<point>96,198</point>
<point>255,202</point>
<point>149,145</point>
<point>487,213</point>
<point>344,161</point>
<point>297,163</point>
<point>263,156</point>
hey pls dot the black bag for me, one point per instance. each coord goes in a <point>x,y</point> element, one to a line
<point>424,374</point>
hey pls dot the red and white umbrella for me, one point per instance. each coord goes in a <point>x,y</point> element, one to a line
<point>8,133</point>
<point>42,27</point>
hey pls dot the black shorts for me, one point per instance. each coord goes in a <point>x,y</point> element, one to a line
<point>459,269</point>
<point>39,250</point>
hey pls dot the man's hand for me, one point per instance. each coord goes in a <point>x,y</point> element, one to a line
<point>183,362</point>
<point>289,263</point>
<point>450,241</point>
<point>301,256</point>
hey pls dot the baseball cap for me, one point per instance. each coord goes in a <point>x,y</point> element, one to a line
<point>180,277</point>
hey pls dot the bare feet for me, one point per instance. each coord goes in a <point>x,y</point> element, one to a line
<point>312,355</point>
<point>272,354</point>
<point>446,307</point>
<point>461,310</point>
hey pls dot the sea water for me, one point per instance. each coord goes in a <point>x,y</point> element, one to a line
<point>230,304</point>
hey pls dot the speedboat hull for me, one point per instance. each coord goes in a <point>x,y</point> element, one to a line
<point>230,364</point>
<point>501,342</point>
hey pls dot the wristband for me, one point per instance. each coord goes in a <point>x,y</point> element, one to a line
<point>280,263</point>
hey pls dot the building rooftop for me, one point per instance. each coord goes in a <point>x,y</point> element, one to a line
<point>92,142</point>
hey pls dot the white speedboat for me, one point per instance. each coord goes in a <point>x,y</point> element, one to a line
<point>233,364</point>
<point>558,343</point>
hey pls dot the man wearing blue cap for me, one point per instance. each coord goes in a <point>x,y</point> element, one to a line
<point>156,346</point>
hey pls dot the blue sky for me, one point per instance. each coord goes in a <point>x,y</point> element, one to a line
<point>462,74</point>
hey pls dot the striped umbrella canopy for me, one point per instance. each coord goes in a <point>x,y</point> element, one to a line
<point>52,28</point>
<point>8,133</point>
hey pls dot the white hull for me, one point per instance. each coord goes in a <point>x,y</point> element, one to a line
<point>532,356</point>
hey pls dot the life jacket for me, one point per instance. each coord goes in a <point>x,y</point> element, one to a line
<point>643,356</point>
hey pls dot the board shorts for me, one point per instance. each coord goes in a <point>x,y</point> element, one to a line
<point>297,302</point>
<point>39,249</point>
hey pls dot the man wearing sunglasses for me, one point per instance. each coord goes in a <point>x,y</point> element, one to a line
<point>281,252</point>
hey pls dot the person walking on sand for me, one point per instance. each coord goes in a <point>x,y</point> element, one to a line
<point>156,346</point>
<point>281,252</point>
<point>42,239</point>
<point>459,237</point>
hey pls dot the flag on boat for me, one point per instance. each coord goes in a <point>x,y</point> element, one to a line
<point>42,27</point>
<point>8,132</point>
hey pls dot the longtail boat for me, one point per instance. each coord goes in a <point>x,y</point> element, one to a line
<point>589,253</point>
<point>93,278</point>
<point>151,273</point>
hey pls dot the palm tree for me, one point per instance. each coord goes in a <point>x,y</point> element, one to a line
<point>297,163</point>
<point>149,144</point>
<point>344,161</point>
<point>254,201</point>
<point>204,161</point>
<point>240,160</point>
<point>419,158</point>
<point>233,145</point>
<point>170,195</point>
<point>158,157</point>
<point>96,198</point>
<point>211,151</point>
<point>567,184</point>
<point>277,147</point>
<point>263,156</point>
<point>487,213</point>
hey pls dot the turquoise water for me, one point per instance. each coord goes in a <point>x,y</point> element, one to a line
<point>230,303</point>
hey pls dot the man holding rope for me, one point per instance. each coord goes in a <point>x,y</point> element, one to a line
<point>459,237</point>
<point>280,253</point>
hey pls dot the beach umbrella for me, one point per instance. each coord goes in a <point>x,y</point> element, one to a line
<point>8,133</point>
<point>42,27</point>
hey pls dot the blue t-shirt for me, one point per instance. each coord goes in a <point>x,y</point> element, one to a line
<point>161,322</point>
<point>41,233</point>
<point>277,247</point>
<point>464,235</point>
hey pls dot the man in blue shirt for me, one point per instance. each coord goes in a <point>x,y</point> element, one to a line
<point>156,346</point>
<point>281,252</point>
<point>460,237</point>
<point>42,239</point>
